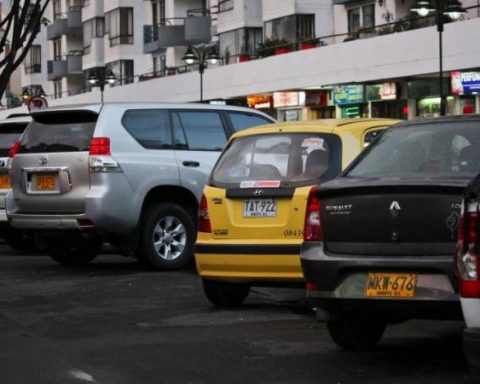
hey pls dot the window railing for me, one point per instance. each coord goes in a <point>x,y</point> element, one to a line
<point>33,68</point>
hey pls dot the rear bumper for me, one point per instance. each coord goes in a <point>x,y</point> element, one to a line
<point>3,216</point>
<point>47,222</point>
<point>259,264</point>
<point>339,283</point>
<point>471,345</point>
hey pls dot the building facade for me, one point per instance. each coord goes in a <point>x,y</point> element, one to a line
<point>295,59</point>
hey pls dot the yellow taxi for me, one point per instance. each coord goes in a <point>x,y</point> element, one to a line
<point>250,224</point>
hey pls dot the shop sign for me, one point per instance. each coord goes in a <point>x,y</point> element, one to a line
<point>317,98</point>
<point>379,92</point>
<point>288,99</point>
<point>465,83</point>
<point>260,102</point>
<point>348,94</point>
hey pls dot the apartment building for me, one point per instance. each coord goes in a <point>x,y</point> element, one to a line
<point>326,57</point>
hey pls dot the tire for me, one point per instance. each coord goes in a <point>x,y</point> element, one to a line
<point>356,331</point>
<point>19,240</point>
<point>223,294</point>
<point>167,237</point>
<point>73,249</point>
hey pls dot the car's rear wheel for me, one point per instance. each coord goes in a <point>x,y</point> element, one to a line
<point>19,240</point>
<point>167,237</point>
<point>357,331</point>
<point>73,249</point>
<point>223,294</point>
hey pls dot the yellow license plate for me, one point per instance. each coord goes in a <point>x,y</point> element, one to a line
<point>46,182</point>
<point>391,285</point>
<point>5,182</point>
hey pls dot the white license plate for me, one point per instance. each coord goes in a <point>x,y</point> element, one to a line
<point>260,208</point>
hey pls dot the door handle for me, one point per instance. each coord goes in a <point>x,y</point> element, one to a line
<point>191,163</point>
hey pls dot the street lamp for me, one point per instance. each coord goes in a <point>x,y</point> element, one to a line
<point>101,76</point>
<point>203,54</point>
<point>452,9</point>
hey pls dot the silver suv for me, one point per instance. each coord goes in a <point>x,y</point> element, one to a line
<point>129,174</point>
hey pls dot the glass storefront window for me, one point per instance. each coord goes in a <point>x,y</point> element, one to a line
<point>430,107</point>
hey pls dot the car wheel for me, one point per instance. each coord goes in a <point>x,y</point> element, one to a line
<point>224,294</point>
<point>73,250</point>
<point>167,237</point>
<point>356,331</point>
<point>19,240</point>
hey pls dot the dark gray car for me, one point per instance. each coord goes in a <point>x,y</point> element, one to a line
<point>130,174</point>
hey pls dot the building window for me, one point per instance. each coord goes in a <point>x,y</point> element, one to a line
<point>57,10</point>
<point>225,5</point>
<point>119,25</point>
<point>243,40</point>
<point>57,89</point>
<point>291,28</point>
<point>57,49</point>
<point>123,70</point>
<point>33,62</point>
<point>91,29</point>
<point>360,18</point>
<point>159,64</point>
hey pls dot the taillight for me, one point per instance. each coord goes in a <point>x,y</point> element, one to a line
<point>100,156</point>
<point>312,230</point>
<point>14,149</point>
<point>100,146</point>
<point>467,256</point>
<point>204,224</point>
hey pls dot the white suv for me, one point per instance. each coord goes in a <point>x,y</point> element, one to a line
<point>130,174</point>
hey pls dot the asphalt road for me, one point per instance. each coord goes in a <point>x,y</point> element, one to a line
<point>112,322</point>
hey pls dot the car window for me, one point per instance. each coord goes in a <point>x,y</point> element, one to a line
<point>9,134</point>
<point>370,136</point>
<point>423,150</point>
<point>150,127</point>
<point>291,158</point>
<point>242,121</point>
<point>69,131</point>
<point>199,130</point>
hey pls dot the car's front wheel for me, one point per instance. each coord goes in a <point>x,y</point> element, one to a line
<point>167,237</point>
<point>73,249</point>
<point>357,331</point>
<point>223,294</point>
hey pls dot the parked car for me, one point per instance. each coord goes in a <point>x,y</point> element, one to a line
<point>467,257</point>
<point>379,240</point>
<point>130,174</point>
<point>11,129</point>
<point>252,210</point>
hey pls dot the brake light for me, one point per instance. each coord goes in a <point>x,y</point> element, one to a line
<point>313,230</point>
<point>100,146</point>
<point>14,149</point>
<point>204,224</point>
<point>467,255</point>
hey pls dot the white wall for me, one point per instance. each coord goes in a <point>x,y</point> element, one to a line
<point>245,13</point>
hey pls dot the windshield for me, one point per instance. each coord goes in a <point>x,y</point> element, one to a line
<point>59,132</point>
<point>9,134</point>
<point>442,149</point>
<point>290,158</point>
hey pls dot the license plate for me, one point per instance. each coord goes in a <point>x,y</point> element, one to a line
<point>46,182</point>
<point>5,182</point>
<point>260,208</point>
<point>391,285</point>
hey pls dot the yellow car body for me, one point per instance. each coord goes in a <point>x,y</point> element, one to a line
<point>265,250</point>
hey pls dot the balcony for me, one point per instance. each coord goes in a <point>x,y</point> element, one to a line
<point>69,24</point>
<point>70,65</point>
<point>177,32</point>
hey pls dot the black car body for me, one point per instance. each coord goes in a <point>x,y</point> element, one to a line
<point>379,239</point>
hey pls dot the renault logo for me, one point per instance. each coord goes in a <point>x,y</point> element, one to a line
<point>258,192</point>
<point>394,208</point>
<point>42,160</point>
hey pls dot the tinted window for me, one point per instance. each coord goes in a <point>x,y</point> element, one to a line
<point>197,130</point>
<point>59,132</point>
<point>292,158</point>
<point>243,120</point>
<point>150,127</point>
<point>9,134</point>
<point>424,150</point>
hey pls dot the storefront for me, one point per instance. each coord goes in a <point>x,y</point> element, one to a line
<point>349,100</point>
<point>290,106</point>
<point>466,85</point>
<point>263,103</point>
<point>383,101</point>
<point>318,101</point>
<point>426,93</point>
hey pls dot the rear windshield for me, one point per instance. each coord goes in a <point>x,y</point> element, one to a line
<point>446,149</point>
<point>293,159</point>
<point>59,132</point>
<point>9,134</point>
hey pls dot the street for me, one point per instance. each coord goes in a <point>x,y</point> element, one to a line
<point>113,322</point>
